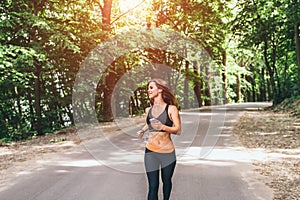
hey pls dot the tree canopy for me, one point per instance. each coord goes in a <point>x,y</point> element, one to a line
<point>245,50</point>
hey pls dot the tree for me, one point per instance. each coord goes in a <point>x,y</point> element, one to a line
<point>46,42</point>
<point>202,21</point>
<point>268,28</point>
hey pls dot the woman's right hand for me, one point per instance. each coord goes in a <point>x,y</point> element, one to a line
<point>140,133</point>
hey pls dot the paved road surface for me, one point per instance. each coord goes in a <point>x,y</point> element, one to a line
<point>211,165</point>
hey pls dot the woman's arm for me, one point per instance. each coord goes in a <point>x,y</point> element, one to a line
<point>141,132</point>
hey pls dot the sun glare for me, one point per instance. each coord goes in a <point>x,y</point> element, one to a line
<point>135,12</point>
<point>129,4</point>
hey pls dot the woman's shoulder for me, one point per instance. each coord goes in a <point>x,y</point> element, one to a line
<point>147,109</point>
<point>173,108</point>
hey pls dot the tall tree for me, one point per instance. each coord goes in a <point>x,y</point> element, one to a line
<point>296,13</point>
<point>46,41</point>
<point>202,21</point>
<point>269,29</point>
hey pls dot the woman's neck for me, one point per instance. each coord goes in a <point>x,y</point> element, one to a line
<point>158,102</point>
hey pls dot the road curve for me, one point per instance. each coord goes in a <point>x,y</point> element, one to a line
<point>211,164</point>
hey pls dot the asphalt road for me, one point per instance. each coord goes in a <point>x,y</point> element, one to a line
<point>211,164</point>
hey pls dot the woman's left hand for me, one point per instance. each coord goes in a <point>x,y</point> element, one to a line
<point>157,125</point>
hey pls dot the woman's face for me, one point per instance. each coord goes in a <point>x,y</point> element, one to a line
<point>153,90</point>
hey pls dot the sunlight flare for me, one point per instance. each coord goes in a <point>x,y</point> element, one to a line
<point>129,4</point>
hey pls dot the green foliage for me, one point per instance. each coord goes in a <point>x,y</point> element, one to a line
<point>266,28</point>
<point>44,43</point>
<point>42,46</point>
<point>15,77</point>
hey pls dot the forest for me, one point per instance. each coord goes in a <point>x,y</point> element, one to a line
<point>69,62</point>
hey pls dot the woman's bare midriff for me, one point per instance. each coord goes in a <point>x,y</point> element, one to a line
<point>160,142</point>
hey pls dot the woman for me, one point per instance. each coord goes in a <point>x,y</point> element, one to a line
<point>162,120</point>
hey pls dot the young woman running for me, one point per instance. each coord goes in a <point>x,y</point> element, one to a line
<point>162,120</point>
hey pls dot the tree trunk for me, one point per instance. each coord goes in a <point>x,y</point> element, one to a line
<point>263,96</point>
<point>197,90</point>
<point>238,88</point>
<point>208,96</point>
<point>276,79</point>
<point>31,110</point>
<point>110,81</point>
<point>269,92</point>
<point>37,100</point>
<point>197,85</point>
<point>186,88</point>
<point>70,114</point>
<point>131,106</point>
<point>106,13</point>
<point>224,78</point>
<point>110,77</point>
<point>271,72</point>
<point>19,106</point>
<point>297,43</point>
<point>37,84</point>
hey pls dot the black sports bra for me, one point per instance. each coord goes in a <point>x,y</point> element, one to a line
<point>163,118</point>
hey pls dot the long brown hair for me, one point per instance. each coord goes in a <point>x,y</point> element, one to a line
<point>167,95</point>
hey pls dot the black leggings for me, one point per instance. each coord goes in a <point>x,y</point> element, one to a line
<point>153,162</point>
